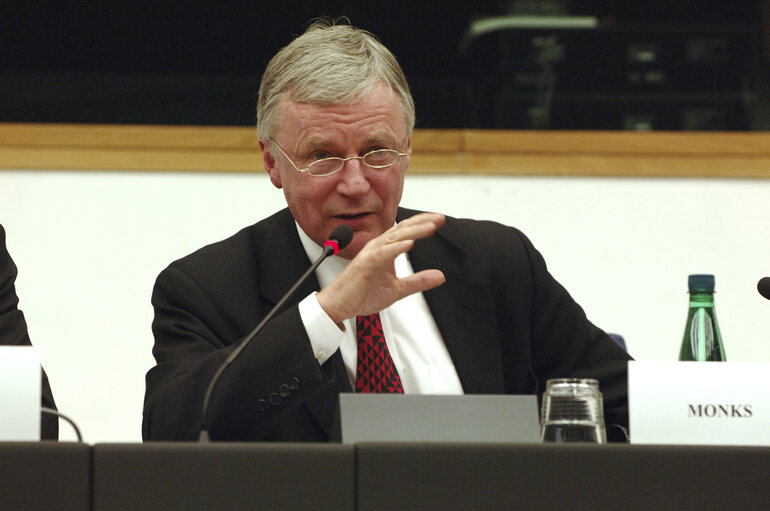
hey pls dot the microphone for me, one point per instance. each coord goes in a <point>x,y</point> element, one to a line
<point>340,237</point>
<point>763,286</point>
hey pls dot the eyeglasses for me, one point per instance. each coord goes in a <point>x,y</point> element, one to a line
<point>377,159</point>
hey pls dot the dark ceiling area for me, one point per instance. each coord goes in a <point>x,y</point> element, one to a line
<point>685,65</point>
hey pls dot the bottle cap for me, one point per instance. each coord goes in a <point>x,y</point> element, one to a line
<point>701,283</point>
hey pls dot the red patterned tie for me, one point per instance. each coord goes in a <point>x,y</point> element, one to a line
<point>376,371</point>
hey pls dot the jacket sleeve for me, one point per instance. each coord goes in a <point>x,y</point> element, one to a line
<point>566,344</point>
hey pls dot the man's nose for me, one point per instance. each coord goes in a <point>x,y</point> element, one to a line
<point>353,180</point>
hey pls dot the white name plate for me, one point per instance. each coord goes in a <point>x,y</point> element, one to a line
<point>707,403</point>
<point>20,387</point>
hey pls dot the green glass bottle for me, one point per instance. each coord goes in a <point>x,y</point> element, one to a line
<point>702,340</point>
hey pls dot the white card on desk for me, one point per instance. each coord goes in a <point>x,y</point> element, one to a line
<point>707,403</point>
<point>20,385</point>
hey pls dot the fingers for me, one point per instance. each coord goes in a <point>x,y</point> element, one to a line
<point>413,228</point>
<point>422,281</point>
<point>387,252</point>
<point>400,238</point>
<point>418,226</point>
<point>405,286</point>
<point>370,281</point>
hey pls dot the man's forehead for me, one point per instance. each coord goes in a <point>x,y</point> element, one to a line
<point>325,124</point>
<point>377,137</point>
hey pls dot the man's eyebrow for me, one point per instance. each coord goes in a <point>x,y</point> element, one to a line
<point>315,141</point>
<point>381,138</point>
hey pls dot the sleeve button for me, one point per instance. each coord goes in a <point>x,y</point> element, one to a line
<point>284,390</point>
<point>274,399</point>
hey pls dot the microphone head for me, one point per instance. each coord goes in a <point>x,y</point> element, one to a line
<point>763,286</point>
<point>343,235</point>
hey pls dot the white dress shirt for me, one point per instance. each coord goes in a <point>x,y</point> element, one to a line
<point>413,339</point>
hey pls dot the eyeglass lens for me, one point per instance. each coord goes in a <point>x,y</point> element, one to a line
<point>376,159</point>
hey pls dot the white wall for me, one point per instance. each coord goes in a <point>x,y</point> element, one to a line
<point>90,244</point>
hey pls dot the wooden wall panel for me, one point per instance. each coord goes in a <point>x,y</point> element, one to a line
<point>491,152</point>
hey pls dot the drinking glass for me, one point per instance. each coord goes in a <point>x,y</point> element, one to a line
<point>572,411</point>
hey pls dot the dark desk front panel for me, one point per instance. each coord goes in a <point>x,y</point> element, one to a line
<point>189,476</point>
<point>562,477</point>
<point>379,476</point>
<point>44,475</point>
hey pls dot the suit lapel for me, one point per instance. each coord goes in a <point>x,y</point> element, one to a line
<point>283,262</point>
<point>463,310</point>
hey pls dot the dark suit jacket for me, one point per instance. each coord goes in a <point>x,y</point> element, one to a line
<point>508,326</point>
<point>13,330</point>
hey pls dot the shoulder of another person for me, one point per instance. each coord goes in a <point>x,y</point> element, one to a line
<point>7,266</point>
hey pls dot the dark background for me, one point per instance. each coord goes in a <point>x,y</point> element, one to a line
<point>651,64</point>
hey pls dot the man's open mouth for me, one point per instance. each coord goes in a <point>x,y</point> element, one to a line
<point>352,216</point>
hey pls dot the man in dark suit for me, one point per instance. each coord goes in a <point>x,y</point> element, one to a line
<point>13,331</point>
<point>447,306</point>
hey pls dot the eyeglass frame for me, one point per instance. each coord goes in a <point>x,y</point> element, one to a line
<point>342,160</point>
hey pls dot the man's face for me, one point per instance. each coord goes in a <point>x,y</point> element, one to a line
<point>363,198</point>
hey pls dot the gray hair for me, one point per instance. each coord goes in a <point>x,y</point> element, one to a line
<point>329,64</point>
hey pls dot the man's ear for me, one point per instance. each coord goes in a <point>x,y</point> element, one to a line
<point>269,161</point>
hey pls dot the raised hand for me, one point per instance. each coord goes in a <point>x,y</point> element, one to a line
<point>369,283</point>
